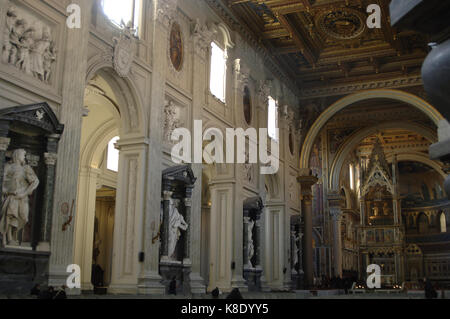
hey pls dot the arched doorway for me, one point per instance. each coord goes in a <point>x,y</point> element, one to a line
<point>111,176</point>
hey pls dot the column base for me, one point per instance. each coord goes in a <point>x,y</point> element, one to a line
<point>43,247</point>
<point>264,285</point>
<point>239,282</point>
<point>198,286</point>
<point>151,284</point>
<point>123,289</point>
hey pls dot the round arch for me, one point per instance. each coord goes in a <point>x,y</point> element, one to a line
<point>357,137</point>
<point>129,101</point>
<point>396,95</point>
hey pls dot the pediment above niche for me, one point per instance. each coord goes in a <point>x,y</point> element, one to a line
<point>36,115</point>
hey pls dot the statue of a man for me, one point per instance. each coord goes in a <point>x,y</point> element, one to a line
<point>176,222</point>
<point>19,183</point>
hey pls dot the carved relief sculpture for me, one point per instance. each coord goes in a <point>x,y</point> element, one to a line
<point>176,222</point>
<point>29,48</point>
<point>19,183</point>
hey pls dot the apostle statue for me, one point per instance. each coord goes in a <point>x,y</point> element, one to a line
<point>176,222</point>
<point>19,183</point>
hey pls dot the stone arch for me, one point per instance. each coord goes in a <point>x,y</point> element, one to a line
<point>352,141</point>
<point>128,121</point>
<point>349,100</point>
<point>129,101</point>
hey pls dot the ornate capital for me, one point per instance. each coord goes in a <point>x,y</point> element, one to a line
<point>336,213</point>
<point>50,159</point>
<point>165,11</point>
<point>202,36</point>
<point>188,202</point>
<point>306,183</point>
<point>4,143</point>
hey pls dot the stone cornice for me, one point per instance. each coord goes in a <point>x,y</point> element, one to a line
<point>349,88</point>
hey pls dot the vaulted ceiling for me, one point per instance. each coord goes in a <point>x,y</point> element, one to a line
<point>321,43</point>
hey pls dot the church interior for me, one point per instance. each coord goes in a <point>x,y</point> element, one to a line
<point>94,92</point>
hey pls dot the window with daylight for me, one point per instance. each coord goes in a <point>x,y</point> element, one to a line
<point>123,10</point>
<point>273,119</point>
<point>218,72</point>
<point>113,156</point>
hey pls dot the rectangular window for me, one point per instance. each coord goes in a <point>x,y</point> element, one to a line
<point>123,10</point>
<point>273,119</point>
<point>218,72</point>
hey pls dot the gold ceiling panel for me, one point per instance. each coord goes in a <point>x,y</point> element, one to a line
<point>328,42</point>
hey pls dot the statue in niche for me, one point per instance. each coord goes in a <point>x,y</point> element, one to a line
<point>386,209</point>
<point>376,210</point>
<point>176,222</point>
<point>19,183</point>
<point>250,245</point>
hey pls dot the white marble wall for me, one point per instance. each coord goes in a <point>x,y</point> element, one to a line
<point>141,97</point>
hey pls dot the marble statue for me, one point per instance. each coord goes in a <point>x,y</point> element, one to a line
<point>19,183</point>
<point>250,245</point>
<point>176,222</point>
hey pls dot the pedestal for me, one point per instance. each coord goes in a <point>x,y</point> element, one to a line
<point>170,270</point>
<point>253,279</point>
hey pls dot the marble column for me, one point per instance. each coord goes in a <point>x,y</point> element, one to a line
<point>187,245</point>
<point>164,12</point>
<point>201,38</point>
<point>165,223</point>
<point>50,158</point>
<point>257,243</point>
<point>4,144</point>
<point>221,248</point>
<point>129,234</point>
<point>85,223</point>
<point>336,214</point>
<point>245,250</point>
<point>306,183</point>
<point>70,114</point>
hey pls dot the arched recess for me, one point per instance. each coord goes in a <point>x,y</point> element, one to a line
<point>349,100</point>
<point>356,138</point>
<point>124,90</point>
<point>126,119</point>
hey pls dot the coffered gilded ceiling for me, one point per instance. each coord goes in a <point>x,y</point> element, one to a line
<point>327,43</point>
